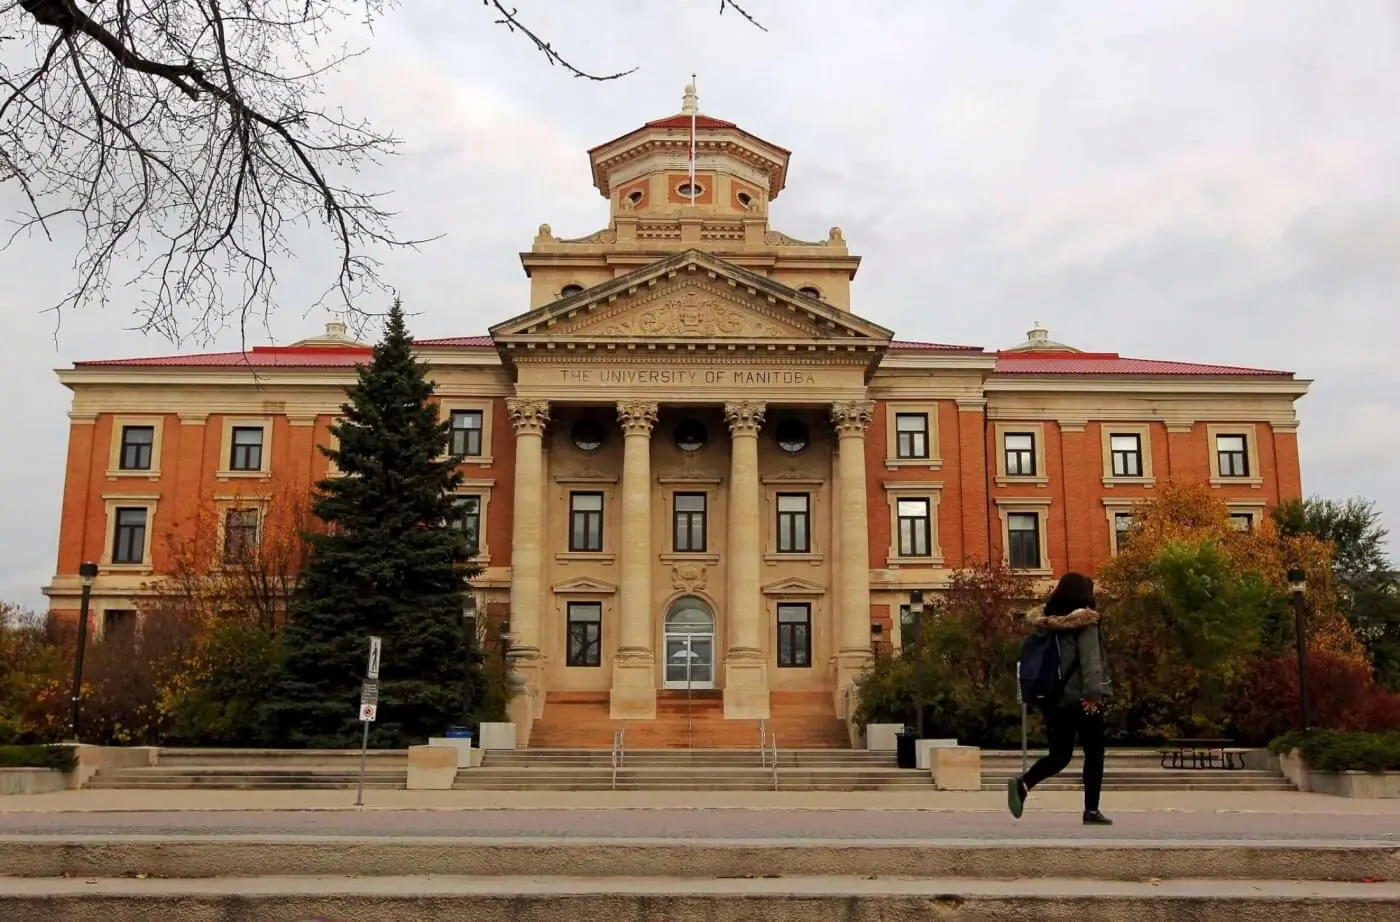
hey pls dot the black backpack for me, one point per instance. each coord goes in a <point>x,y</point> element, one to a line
<point>1038,671</point>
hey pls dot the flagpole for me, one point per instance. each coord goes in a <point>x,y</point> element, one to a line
<point>694,106</point>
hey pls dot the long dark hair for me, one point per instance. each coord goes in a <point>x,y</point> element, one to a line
<point>1074,591</point>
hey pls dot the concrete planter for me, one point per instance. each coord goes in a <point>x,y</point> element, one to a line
<point>1369,785</point>
<point>431,768</point>
<point>923,752</point>
<point>463,747</point>
<point>498,736</point>
<point>956,768</point>
<point>880,737</point>
<point>32,781</point>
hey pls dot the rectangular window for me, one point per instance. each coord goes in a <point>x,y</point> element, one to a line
<point>1232,455</point>
<point>466,433</point>
<point>240,534</point>
<point>795,635</point>
<point>246,451</point>
<point>914,527</point>
<point>1127,455</point>
<point>137,444</point>
<point>1242,521</point>
<point>585,521</point>
<point>1020,454</point>
<point>129,535</point>
<point>907,627</point>
<point>794,523</point>
<point>1023,536</point>
<point>911,435</point>
<point>1122,529</point>
<point>466,518</point>
<point>689,513</point>
<point>118,623</point>
<point>585,634</point>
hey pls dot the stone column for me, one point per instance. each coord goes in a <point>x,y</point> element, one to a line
<point>634,665</point>
<point>745,663</point>
<point>851,419</point>
<point>529,417</point>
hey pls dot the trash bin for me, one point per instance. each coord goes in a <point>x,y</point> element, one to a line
<point>905,755</point>
<point>459,733</point>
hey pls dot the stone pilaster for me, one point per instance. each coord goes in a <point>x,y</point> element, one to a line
<point>634,665</point>
<point>851,419</point>
<point>529,417</point>
<point>745,663</point>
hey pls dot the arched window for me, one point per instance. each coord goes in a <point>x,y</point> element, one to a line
<point>568,291</point>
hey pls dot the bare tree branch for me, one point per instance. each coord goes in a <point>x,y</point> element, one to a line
<point>184,139</point>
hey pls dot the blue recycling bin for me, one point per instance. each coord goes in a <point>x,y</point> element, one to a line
<point>459,733</point>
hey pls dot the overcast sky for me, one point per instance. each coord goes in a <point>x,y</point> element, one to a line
<point>1205,181</point>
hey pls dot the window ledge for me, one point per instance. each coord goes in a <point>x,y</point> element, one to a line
<point>118,474</point>
<point>932,562</point>
<point>775,557</point>
<point>472,460</point>
<point>138,568</point>
<point>243,475</point>
<point>931,464</point>
<point>1255,482</point>
<point>689,557</point>
<point>584,556</point>
<point>1112,482</point>
<point>1037,572</point>
<point>1008,481</point>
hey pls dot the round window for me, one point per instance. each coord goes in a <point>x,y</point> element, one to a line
<point>809,291</point>
<point>569,291</point>
<point>744,199</point>
<point>792,435</point>
<point>588,434</point>
<point>691,435</point>
<point>635,196</point>
<point>690,190</point>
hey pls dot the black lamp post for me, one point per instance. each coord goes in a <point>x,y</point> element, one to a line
<point>87,572</point>
<point>916,610</point>
<point>1297,586</point>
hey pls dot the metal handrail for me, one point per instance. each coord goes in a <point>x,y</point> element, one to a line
<point>619,751</point>
<point>762,743</point>
<point>774,738</point>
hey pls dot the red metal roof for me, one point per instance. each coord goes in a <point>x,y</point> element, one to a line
<point>1083,363</point>
<point>1014,363</point>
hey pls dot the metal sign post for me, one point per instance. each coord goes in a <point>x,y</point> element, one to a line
<point>369,708</point>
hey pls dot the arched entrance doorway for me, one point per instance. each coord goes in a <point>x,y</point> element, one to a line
<point>690,644</point>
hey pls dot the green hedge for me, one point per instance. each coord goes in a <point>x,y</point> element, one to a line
<point>59,757</point>
<point>1339,751</point>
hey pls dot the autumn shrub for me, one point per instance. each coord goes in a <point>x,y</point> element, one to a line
<point>127,677</point>
<point>1342,695</point>
<point>36,663</point>
<point>1343,751</point>
<point>59,758</point>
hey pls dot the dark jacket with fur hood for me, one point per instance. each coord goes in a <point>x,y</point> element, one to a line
<point>1083,659</point>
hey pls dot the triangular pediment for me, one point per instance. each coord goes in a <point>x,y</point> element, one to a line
<point>793,586</point>
<point>584,585</point>
<point>692,296</point>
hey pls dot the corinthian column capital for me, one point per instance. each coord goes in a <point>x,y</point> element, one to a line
<point>636,416</point>
<point>745,417</point>
<point>852,417</point>
<point>528,416</point>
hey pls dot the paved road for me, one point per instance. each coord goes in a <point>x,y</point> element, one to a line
<point>714,824</point>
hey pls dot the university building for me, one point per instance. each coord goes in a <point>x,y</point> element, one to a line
<point>690,462</point>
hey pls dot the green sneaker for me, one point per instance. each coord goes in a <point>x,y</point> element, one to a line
<point>1016,797</point>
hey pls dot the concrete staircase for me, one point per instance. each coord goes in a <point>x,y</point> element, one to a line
<point>690,770</point>
<point>581,720</point>
<point>389,879</point>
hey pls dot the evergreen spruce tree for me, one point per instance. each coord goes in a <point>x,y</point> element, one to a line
<point>390,563</point>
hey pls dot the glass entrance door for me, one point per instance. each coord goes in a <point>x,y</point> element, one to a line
<point>690,645</point>
<point>690,661</point>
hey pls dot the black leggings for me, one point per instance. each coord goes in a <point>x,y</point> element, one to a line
<point>1063,725</point>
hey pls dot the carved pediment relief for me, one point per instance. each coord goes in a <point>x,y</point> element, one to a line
<point>686,310</point>
<point>584,585</point>
<point>793,586</point>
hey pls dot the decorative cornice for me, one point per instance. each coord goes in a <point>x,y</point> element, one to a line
<point>852,417</point>
<point>82,419</point>
<point>528,416</point>
<point>745,417</point>
<point>637,417</point>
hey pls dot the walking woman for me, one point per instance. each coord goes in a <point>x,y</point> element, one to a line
<point>1071,616</point>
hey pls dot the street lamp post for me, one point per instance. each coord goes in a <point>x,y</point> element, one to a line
<point>1297,586</point>
<point>916,608</point>
<point>87,572</point>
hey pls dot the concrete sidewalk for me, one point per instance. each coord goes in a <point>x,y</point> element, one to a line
<point>147,801</point>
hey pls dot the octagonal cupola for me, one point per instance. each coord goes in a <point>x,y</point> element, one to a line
<point>648,171</point>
